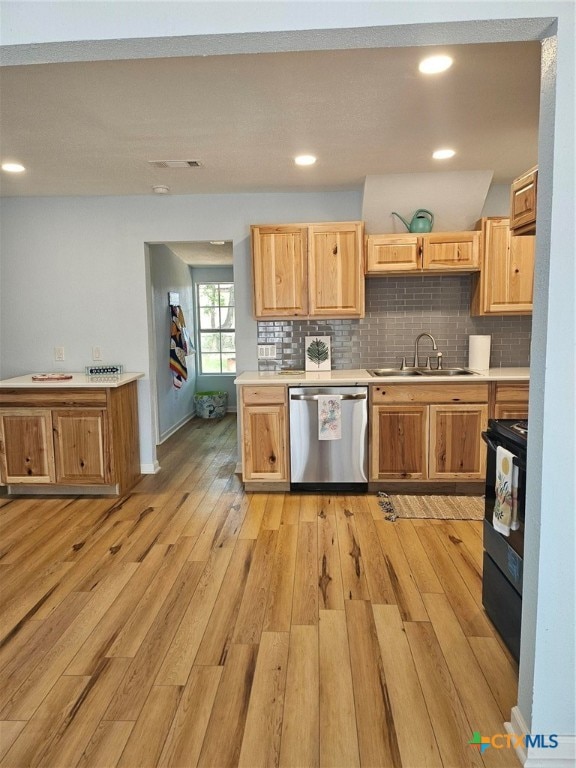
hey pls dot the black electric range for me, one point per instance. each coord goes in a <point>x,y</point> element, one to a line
<point>503,562</point>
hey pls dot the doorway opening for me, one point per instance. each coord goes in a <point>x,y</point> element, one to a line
<point>200,274</point>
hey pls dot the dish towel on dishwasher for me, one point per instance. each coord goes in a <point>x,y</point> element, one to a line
<point>329,418</point>
<point>505,516</point>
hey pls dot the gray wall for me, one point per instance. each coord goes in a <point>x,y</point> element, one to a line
<point>169,273</point>
<point>80,266</point>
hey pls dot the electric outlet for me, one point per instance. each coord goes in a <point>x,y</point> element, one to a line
<point>58,354</point>
<point>96,353</point>
<point>266,351</point>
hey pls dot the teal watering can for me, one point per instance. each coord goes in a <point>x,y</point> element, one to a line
<point>422,221</point>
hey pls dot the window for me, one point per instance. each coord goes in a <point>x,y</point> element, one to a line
<point>216,339</point>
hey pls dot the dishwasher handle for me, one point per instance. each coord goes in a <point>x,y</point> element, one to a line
<point>359,396</point>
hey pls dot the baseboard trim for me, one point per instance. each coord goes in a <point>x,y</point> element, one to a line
<point>517,724</point>
<point>163,437</point>
<point>562,756</point>
<point>150,469</point>
<point>63,490</point>
<point>266,487</point>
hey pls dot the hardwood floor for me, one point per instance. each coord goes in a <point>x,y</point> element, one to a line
<point>192,624</point>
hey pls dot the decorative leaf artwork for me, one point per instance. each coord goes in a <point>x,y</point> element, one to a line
<point>318,353</point>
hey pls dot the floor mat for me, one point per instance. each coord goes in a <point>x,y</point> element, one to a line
<point>434,507</point>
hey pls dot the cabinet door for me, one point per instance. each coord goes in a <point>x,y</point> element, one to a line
<point>279,258</point>
<point>399,442</point>
<point>81,446</point>
<point>507,270</point>
<point>26,454</point>
<point>264,441</point>
<point>392,253</point>
<point>451,251</point>
<point>456,447</point>
<point>523,195</point>
<point>336,270</point>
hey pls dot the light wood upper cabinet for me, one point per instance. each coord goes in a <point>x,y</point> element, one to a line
<point>439,252</point>
<point>392,253</point>
<point>280,264</point>
<point>336,270</point>
<point>308,270</point>
<point>504,285</point>
<point>523,196</point>
<point>451,251</point>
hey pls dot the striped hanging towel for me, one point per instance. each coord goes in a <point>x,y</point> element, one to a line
<point>178,346</point>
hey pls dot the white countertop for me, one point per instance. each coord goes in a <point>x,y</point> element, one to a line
<point>77,380</point>
<point>361,376</point>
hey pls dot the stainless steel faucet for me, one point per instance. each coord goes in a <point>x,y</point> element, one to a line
<point>417,357</point>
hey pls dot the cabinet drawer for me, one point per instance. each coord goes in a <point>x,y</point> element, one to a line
<point>430,393</point>
<point>512,393</point>
<point>46,398</point>
<point>263,395</point>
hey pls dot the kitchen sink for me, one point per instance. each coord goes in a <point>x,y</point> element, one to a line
<point>448,372</point>
<point>392,372</point>
<point>380,372</point>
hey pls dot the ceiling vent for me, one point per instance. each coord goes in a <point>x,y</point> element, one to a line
<point>175,163</point>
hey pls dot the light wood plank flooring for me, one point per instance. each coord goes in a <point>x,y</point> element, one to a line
<point>192,624</point>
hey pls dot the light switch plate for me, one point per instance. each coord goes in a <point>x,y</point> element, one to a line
<point>266,351</point>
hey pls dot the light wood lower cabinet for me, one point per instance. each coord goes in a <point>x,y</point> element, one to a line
<point>26,453</point>
<point>456,447</point>
<point>79,437</point>
<point>81,446</point>
<point>264,428</point>
<point>511,401</point>
<point>428,432</point>
<point>399,442</point>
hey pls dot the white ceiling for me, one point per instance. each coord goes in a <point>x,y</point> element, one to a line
<point>90,128</point>
<point>200,253</point>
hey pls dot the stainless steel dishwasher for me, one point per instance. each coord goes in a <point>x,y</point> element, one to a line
<point>341,461</point>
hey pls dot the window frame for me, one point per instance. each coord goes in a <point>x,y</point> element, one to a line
<point>219,330</point>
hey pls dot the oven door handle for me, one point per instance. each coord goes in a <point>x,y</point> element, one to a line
<point>519,463</point>
<point>488,441</point>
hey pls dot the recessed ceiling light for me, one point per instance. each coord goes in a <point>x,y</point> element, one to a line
<point>434,64</point>
<point>305,160</point>
<point>217,242</point>
<point>160,189</point>
<point>443,154</point>
<point>13,167</point>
